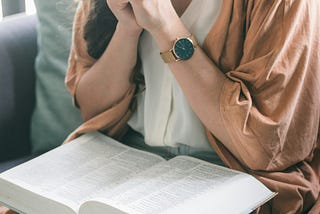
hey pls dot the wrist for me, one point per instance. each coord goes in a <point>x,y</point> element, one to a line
<point>169,32</point>
<point>127,31</point>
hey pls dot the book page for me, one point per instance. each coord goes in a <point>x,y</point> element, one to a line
<point>78,170</point>
<point>184,185</point>
<point>218,189</point>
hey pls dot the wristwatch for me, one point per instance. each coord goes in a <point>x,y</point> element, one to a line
<point>183,49</point>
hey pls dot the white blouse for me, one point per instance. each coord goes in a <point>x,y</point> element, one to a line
<point>164,116</point>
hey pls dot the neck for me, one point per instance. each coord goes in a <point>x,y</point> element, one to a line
<point>180,5</point>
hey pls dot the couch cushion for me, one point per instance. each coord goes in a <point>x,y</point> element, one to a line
<point>17,53</point>
<point>54,116</point>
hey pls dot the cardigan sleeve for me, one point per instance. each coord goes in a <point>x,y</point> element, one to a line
<point>270,102</point>
<point>113,120</point>
<point>79,60</point>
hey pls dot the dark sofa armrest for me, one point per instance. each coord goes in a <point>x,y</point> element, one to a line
<point>18,49</point>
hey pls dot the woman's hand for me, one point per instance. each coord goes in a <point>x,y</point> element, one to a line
<point>4,210</point>
<point>124,13</point>
<point>160,19</point>
<point>154,15</point>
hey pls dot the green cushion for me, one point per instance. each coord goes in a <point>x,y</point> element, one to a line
<point>54,116</point>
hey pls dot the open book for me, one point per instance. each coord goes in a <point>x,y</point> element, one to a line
<point>96,174</point>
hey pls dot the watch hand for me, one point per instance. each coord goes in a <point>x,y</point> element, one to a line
<point>179,45</point>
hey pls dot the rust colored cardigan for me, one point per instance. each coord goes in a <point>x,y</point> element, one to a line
<point>270,102</point>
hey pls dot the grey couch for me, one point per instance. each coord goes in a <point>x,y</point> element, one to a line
<point>18,49</point>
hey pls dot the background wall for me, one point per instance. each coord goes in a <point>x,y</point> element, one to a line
<point>10,7</point>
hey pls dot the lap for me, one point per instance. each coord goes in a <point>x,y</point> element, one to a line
<point>136,140</point>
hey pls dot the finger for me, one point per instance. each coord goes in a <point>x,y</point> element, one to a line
<point>4,210</point>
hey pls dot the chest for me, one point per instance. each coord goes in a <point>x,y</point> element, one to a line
<point>180,5</point>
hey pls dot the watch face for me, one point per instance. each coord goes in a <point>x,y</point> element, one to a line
<point>183,48</point>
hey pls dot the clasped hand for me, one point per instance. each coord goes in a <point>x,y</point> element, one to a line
<point>135,15</point>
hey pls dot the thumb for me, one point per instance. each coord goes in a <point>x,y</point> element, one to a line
<point>4,210</point>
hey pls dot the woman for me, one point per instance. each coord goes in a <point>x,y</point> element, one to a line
<point>244,79</point>
<point>253,82</point>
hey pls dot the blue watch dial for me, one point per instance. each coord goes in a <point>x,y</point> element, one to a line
<point>183,49</point>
